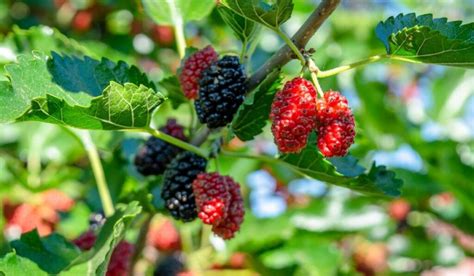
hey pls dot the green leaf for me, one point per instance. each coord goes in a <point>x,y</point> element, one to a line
<point>120,107</point>
<point>174,92</point>
<point>10,107</point>
<point>41,38</point>
<point>95,261</point>
<point>270,15</point>
<point>70,79</point>
<point>52,253</point>
<point>317,256</point>
<point>245,30</point>
<point>12,264</point>
<point>253,114</point>
<point>174,12</point>
<point>310,162</point>
<point>47,39</point>
<point>428,40</point>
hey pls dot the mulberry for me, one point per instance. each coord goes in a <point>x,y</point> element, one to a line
<point>177,191</point>
<point>293,115</point>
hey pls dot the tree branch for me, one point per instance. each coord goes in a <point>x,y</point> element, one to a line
<point>301,38</point>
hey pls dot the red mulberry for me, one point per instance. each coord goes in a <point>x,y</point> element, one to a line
<point>293,115</point>
<point>335,124</point>
<point>192,69</point>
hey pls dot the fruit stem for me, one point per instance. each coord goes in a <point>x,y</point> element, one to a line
<point>175,141</point>
<point>205,233</point>
<point>193,118</point>
<point>179,35</point>
<point>97,169</point>
<point>313,69</point>
<point>291,44</point>
<point>340,69</point>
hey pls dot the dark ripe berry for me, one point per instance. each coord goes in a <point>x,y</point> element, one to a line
<point>335,124</point>
<point>221,91</point>
<point>156,154</point>
<point>234,217</point>
<point>169,266</point>
<point>120,260</point>
<point>212,196</point>
<point>293,115</point>
<point>193,68</point>
<point>177,191</point>
<point>85,241</point>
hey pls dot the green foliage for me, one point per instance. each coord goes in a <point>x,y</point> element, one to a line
<point>245,30</point>
<point>83,93</point>
<point>120,107</point>
<point>253,115</point>
<point>269,15</point>
<point>95,261</point>
<point>310,162</point>
<point>52,253</point>
<point>174,93</point>
<point>12,264</point>
<point>428,40</point>
<point>170,12</point>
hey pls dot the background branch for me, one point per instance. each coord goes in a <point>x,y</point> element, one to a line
<point>301,38</point>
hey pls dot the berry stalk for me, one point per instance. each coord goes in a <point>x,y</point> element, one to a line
<point>98,170</point>
<point>340,69</point>
<point>174,141</point>
<point>292,45</point>
<point>314,77</point>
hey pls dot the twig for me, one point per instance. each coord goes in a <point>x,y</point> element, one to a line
<point>300,39</point>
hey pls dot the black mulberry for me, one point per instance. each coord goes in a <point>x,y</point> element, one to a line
<point>221,91</point>
<point>156,154</point>
<point>177,191</point>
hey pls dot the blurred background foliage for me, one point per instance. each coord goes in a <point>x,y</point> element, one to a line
<point>416,119</point>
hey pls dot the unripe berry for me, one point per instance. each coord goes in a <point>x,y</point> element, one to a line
<point>192,69</point>
<point>335,124</point>
<point>293,115</point>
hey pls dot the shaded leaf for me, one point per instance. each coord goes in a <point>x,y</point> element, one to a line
<point>347,165</point>
<point>173,88</point>
<point>253,114</point>
<point>310,162</point>
<point>52,253</point>
<point>120,107</point>
<point>245,30</point>
<point>428,40</point>
<point>270,15</point>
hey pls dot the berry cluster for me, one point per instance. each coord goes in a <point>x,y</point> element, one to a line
<point>296,112</point>
<point>192,69</point>
<point>219,203</point>
<point>155,155</point>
